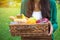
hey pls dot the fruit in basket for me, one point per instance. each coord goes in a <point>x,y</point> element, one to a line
<point>31,21</point>
<point>38,21</point>
<point>12,18</point>
<point>18,16</point>
<point>45,20</point>
<point>16,20</point>
<point>20,20</point>
<point>21,16</point>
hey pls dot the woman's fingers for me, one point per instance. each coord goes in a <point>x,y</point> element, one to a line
<point>51,30</point>
<point>49,22</point>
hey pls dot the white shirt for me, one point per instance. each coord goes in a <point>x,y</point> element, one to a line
<point>37,15</point>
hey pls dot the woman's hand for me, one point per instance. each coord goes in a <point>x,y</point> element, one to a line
<point>51,29</point>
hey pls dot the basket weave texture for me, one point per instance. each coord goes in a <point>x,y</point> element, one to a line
<point>29,30</point>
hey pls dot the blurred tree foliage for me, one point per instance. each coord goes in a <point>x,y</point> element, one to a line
<point>18,0</point>
<point>3,3</point>
<point>8,3</point>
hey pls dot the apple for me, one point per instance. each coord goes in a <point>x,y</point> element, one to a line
<point>45,20</point>
<point>38,21</point>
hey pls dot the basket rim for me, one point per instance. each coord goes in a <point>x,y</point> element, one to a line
<point>31,24</point>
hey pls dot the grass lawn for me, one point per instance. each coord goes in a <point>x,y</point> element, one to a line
<point>4,23</point>
<point>57,33</point>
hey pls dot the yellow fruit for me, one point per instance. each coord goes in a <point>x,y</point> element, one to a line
<point>31,21</point>
<point>20,16</point>
<point>23,17</point>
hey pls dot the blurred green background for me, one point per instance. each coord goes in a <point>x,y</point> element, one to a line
<point>6,12</point>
